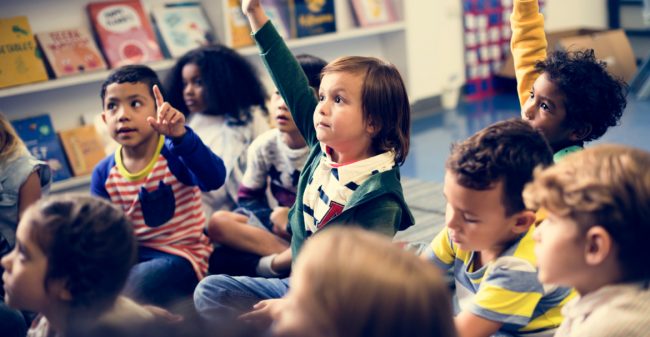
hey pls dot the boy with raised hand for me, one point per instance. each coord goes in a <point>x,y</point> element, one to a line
<point>594,238</point>
<point>487,239</point>
<point>569,96</point>
<point>156,176</point>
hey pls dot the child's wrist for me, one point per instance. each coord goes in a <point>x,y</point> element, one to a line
<point>264,266</point>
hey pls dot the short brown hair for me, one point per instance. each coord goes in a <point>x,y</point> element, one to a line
<point>363,285</point>
<point>509,151</point>
<point>385,103</point>
<point>89,243</point>
<point>608,186</point>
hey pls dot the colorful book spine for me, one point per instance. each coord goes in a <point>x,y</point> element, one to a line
<point>70,51</point>
<point>314,17</point>
<point>181,27</point>
<point>124,32</point>
<point>20,58</point>
<point>38,135</point>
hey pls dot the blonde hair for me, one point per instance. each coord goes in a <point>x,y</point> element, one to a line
<point>608,186</point>
<point>363,285</point>
<point>10,143</point>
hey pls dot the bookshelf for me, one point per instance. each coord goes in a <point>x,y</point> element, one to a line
<point>426,45</point>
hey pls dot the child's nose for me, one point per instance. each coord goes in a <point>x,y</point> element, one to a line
<point>123,114</point>
<point>6,262</point>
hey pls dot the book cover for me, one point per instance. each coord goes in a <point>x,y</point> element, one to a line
<point>124,32</point>
<point>38,135</point>
<point>83,147</point>
<point>182,27</point>
<point>70,51</point>
<point>20,59</point>
<point>279,12</point>
<point>373,12</point>
<point>238,32</point>
<point>314,17</point>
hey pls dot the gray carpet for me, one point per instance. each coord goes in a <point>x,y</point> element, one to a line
<point>427,203</point>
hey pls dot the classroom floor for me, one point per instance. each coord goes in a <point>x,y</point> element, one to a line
<point>432,133</point>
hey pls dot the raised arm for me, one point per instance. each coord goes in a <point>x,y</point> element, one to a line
<point>284,69</point>
<point>528,44</point>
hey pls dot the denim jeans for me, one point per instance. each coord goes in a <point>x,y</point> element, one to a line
<point>160,278</point>
<point>223,297</point>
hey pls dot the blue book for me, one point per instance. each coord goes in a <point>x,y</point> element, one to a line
<point>181,27</point>
<point>314,17</point>
<point>42,142</point>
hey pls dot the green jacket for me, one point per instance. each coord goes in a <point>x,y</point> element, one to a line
<point>378,204</point>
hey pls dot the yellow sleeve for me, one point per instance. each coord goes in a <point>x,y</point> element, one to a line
<point>441,251</point>
<point>528,44</point>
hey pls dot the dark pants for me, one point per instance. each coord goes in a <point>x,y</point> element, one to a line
<point>160,279</point>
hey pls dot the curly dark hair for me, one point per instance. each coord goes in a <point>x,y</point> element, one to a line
<point>509,151</point>
<point>88,243</point>
<point>592,95</point>
<point>312,66</point>
<point>134,73</point>
<point>231,84</point>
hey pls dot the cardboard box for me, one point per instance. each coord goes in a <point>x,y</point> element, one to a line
<point>610,46</point>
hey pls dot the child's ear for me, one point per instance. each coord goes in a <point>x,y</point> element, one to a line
<point>580,132</point>
<point>598,245</point>
<point>59,289</point>
<point>523,221</point>
<point>104,117</point>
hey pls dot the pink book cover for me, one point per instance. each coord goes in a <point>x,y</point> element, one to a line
<point>71,51</point>
<point>124,32</point>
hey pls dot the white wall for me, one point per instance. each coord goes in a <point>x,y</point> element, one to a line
<point>561,14</point>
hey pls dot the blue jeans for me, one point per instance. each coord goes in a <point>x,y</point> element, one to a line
<point>221,296</point>
<point>160,278</point>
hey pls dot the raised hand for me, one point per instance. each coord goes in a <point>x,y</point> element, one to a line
<point>169,121</point>
<point>255,13</point>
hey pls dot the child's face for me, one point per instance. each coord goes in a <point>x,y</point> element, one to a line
<point>338,117</point>
<point>281,114</point>
<point>25,268</point>
<point>559,248</point>
<point>476,219</point>
<point>193,88</point>
<point>126,109</point>
<point>545,111</point>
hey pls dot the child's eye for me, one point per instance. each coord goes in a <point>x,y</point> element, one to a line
<point>136,104</point>
<point>198,82</point>
<point>321,98</point>
<point>545,107</point>
<point>110,106</point>
<point>532,94</point>
<point>338,99</point>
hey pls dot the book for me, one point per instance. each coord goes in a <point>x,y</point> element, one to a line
<point>83,147</point>
<point>20,59</point>
<point>279,12</point>
<point>238,32</point>
<point>181,27</point>
<point>70,51</point>
<point>38,135</point>
<point>124,32</point>
<point>314,17</point>
<point>373,12</point>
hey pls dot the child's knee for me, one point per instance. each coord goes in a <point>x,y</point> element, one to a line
<point>217,225</point>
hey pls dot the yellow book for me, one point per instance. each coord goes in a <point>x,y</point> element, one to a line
<point>83,147</point>
<point>238,31</point>
<point>20,59</point>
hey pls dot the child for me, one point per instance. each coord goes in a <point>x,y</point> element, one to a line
<point>277,155</point>
<point>23,180</point>
<point>595,238</point>
<point>569,96</point>
<point>156,176</point>
<point>71,259</point>
<point>358,134</point>
<point>225,104</point>
<point>380,290</point>
<point>487,239</point>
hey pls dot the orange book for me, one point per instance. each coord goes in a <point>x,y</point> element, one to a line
<point>238,32</point>
<point>83,147</point>
<point>70,51</point>
<point>124,32</point>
